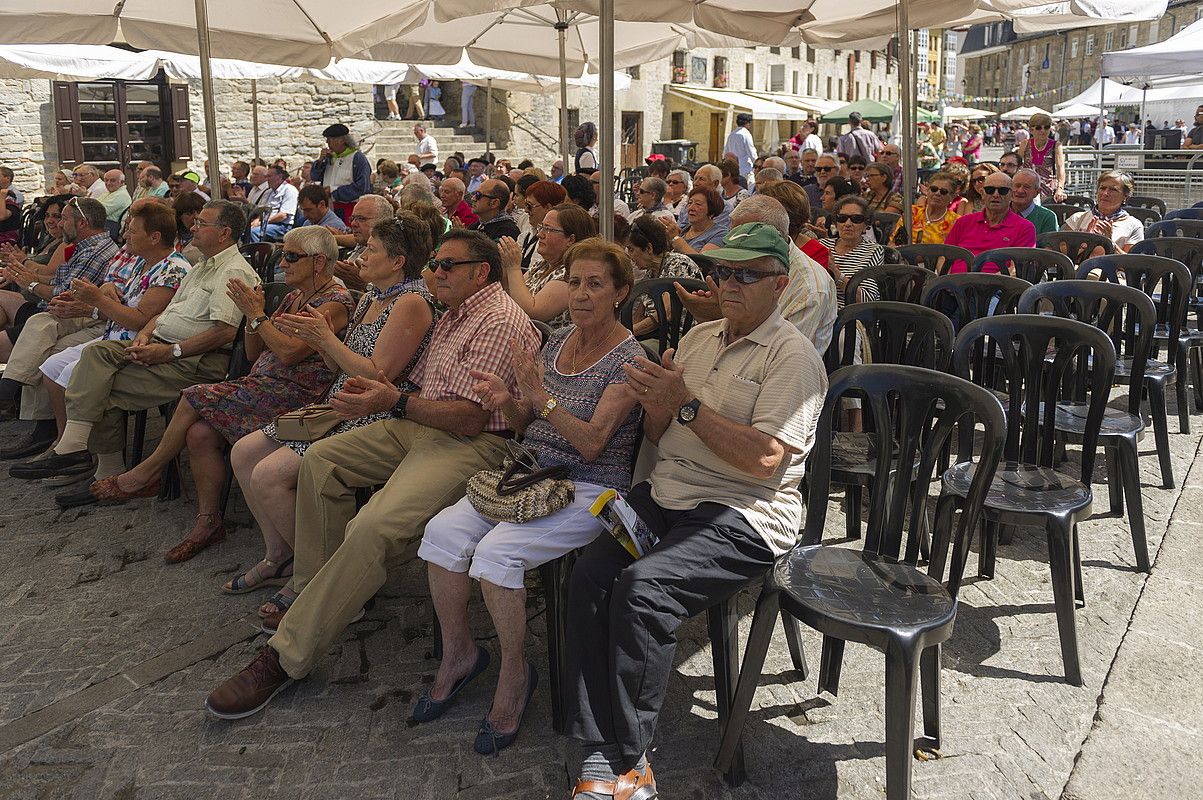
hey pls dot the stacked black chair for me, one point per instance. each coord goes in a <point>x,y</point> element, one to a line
<point>1127,315</point>
<point>898,282</point>
<point>939,258</point>
<point>1062,211</point>
<point>967,296</point>
<point>1147,216</point>
<point>674,319</point>
<point>1081,201</point>
<point>1030,263</point>
<point>884,224</point>
<point>1190,228</point>
<point>1184,213</point>
<point>878,596</point>
<point>1078,245</point>
<point>1145,201</point>
<point>1009,353</point>
<point>263,258</point>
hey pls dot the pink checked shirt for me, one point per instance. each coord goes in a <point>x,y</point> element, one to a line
<point>475,336</point>
<point>976,235</point>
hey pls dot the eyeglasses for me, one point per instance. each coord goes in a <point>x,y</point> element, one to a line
<point>360,218</point>
<point>742,274</point>
<point>448,264</point>
<point>1003,190</point>
<point>643,191</point>
<point>855,219</point>
<point>545,228</point>
<point>855,168</point>
<point>674,180</point>
<point>938,190</point>
<point>1041,127</point>
<point>293,258</point>
<point>890,153</point>
<point>479,194</point>
<point>825,169</point>
<point>200,223</point>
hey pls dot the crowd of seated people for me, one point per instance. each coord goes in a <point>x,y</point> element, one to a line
<point>405,314</point>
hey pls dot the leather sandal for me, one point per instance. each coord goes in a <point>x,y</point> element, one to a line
<point>272,576</point>
<point>190,547</point>
<point>631,785</point>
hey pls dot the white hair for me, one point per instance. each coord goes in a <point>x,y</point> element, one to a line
<point>683,175</point>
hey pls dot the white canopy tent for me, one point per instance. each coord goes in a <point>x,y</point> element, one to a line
<point>963,112</point>
<point>1022,113</point>
<point>1076,111</point>
<point>1177,55</point>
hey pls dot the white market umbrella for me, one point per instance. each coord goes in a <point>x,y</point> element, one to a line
<point>1076,111</point>
<point>75,62</point>
<point>963,112</point>
<point>1023,112</point>
<point>1177,55</point>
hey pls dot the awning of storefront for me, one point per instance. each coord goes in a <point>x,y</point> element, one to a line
<point>726,99</point>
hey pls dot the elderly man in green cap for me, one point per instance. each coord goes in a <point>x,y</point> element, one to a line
<point>733,412</point>
<point>343,169</point>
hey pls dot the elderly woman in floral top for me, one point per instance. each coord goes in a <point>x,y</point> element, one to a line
<point>571,411</point>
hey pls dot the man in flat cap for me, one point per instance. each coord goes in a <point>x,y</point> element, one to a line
<point>342,168</point>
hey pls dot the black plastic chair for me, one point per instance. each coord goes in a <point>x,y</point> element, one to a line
<point>897,282</point>
<point>263,258</point>
<point>1127,315</point>
<point>1188,228</point>
<point>1009,353</point>
<point>1080,201</point>
<point>1196,205</point>
<point>1184,213</point>
<point>1147,216</point>
<point>895,333</point>
<point>878,596</point>
<point>1029,263</point>
<point>967,296</point>
<point>1145,201</point>
<point>1062,211</point>
<point>884,224</point>
<point>1167,284</point>
<point>938,258</point>
<point>678,319</point>
<point>1078,245</point>
<point>891,255</point>
<point>705,263</point>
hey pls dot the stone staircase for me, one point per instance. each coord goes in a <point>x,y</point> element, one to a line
<point>394,139</point>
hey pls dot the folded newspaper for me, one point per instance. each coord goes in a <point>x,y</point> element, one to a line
<point>623,523</point>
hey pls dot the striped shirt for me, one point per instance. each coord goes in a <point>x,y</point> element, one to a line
<point>866,254</point>
<point>475,336</point>
<point>772,380</point>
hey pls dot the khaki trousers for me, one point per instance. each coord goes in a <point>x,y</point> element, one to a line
<point>106,384</point>
<point>342,558</point>
<point>42,337</point>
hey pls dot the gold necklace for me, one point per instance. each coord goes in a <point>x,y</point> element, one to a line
<point>576,350</point>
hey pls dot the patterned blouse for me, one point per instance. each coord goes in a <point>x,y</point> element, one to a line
<point>539,276</point>
<point>579,395</point>
<point>930,232</point>
<point>166,274</point>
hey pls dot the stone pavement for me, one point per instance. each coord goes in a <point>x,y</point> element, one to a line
<point>106,655</point>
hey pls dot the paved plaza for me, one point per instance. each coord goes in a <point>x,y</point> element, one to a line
<point>107,653</point>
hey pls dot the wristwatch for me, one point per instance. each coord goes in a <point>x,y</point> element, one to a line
<point>177,351</point>
<point>548,407</point>
<point>33,285</point>
<point>256,322</point>
<point>398,409</point>
<point>688,412</point>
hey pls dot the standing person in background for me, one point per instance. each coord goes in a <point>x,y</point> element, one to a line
<point>467,111</point>
<point>973,144</point>
<point>428,149</point>
<point>1194,139</point>
<point>739,144</point>
<point>434,101</point>
<point>1044,155</point>
<point>812,140</point>
<point>342,168</point>
<point>587,159</point>
<point>858,141</point>
<point>390,100</point>
<point>414,108</point>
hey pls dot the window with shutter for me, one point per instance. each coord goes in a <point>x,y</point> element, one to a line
<point>66,123</point>
<point>181,123</point>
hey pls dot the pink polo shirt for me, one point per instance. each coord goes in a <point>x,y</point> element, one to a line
<point>977,236</point>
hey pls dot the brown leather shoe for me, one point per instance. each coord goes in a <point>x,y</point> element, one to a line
<point>247,692</point>
<point>189,547</point>
<point>632,785</point>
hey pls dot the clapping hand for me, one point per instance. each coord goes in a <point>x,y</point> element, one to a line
<point>360,396</point>
<point>657,385</point>
<point>65,306</point>
<point>310,327</point>
<point>249,299</point>
<point>528,370</point>
<point>85,291</point>
<point>511,254</point>
<point>490,389</point>
<point>703,303</point>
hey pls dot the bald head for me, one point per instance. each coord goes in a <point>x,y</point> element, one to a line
<point>997,190</point>
<point>762,208</point>
<point>1024,188</point>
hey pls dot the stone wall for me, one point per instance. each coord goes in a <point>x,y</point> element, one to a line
<point>27,143</point>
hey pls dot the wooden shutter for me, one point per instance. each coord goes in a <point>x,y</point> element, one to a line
<point>181,123</point>
<point>66,123</point>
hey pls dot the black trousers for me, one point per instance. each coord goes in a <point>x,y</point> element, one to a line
<point>623,614</point>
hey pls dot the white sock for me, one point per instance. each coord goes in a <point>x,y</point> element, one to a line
<point>74,438</point>
<point>109,464</point>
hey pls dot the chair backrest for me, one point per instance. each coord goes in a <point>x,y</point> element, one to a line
<point>967,296</point>
<point>938,258</point>
<point>1145,201</point>
<point>704,262</point>
<point>674,320</point>
<point>1030,263</point>
<point>1182,228</point>
<point>1185,213</point>
<point>921,406</point>
<point>900,282</point>
<point>1196,205</point>
<point>1078,245</point>
<point>1166,282</point>
<point>895,333</point>
<point>1147,216</point>
<point>274,293</point>
<point>1062,211</point>
<point>890,255</point>
<point>1011,353</point>
<point>1126,314</point>
<point>884,224</point>
<point>263,257</point>
<point>544,331</point>
<point>1079,201</point>
<point>1184,250</point>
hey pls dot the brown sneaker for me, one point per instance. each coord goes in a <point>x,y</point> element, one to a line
<point>251,689</point>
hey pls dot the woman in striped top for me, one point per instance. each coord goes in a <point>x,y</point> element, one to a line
<point>850,253</point>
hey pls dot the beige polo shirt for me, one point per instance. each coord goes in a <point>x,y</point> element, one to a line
<point>201,299</point>
<point>773,380</point>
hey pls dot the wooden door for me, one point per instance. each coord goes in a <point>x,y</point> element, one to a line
<point>115,124</point>
<point>717,125</point>
<point>631,153</point>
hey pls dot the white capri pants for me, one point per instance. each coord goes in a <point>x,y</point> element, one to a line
<point>59,366</point>
<point>459,539</point>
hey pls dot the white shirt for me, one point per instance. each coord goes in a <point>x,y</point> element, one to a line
<point>283,200</point>
<point>96,189</point>
<point>257,193</point>
<point>1131,137</point>
<point>428,150</point>
<point>813,142</point>
<point>1104,135</point>
<point>740,143</point>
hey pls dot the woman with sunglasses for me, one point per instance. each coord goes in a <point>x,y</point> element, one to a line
<point>574,411</point>
<point>931,220</point>
<point>973,200</point>
<point>1043,154</point>
<point>543,291</point>
<point>856,171</point>
<point>829,197</point>
<point>387,336</point>
<point>850,253</point>
<point>972,149</point>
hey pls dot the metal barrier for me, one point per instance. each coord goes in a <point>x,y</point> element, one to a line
<point>1175,176</point>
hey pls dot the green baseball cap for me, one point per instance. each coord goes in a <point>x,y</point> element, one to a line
<point>190,176</point>
<point>751,241</point>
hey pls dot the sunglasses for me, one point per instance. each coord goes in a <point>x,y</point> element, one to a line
<point>1041,127</point>
<point>478,194</point>
<point>1003,190</point>
<point>674,181</point>
<point>855,219</point>
<point>938,190</point>
<point>979,179</point>
<point>448,264</point>
<point>855,168</point>
<point>742,275</point>
<point>644,191</point>
<point>293,258</point>
<point>825,169</point>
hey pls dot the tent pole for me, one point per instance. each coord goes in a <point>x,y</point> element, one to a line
<point>1102,110</point>
<point>488,116</point>
<point>1140,123</point>
<point>255,113</point>
<point>605,202</point>
<point>202,37</point>
<point>561,32</point>
<point>907,106</point>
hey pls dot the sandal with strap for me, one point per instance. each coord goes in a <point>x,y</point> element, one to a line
<point>282,600</point>
<point>631,785</point>
<point>276,577</point>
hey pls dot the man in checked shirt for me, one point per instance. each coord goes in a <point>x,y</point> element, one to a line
<point>424,454</point>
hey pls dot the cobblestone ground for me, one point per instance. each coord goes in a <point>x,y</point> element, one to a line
<point>107,653</point>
